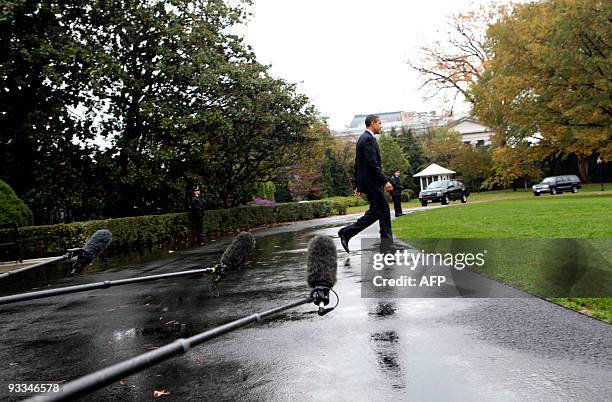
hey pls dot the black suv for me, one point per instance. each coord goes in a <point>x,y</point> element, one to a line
<point>557,185</point>
<point>443,191</point>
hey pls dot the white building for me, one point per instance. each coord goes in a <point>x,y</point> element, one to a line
<point>472,131</point>
<point>416,121</point>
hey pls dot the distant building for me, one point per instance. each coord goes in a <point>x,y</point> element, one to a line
<point>472,132</point>
<point>416,121</point>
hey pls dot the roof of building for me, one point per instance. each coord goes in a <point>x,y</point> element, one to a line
<point>387,117</point>
<point>433,170</point>
<point>462,119</point>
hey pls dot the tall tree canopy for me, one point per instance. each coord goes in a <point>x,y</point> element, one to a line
<point>178,98</point>
<point>42,81</point>
<point>550,79</point>
<point>451,66</point>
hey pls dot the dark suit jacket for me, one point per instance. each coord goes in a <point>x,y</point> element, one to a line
<point>368,171</point>
<point>197,206</point>
<point>397,185</point>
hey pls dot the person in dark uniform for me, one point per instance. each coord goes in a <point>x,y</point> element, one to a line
<point>396,194</point>
<point>197,214</point>
<point>371,181</point>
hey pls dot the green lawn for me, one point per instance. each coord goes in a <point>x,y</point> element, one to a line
<point>493,196</point>
<point>520,215</point>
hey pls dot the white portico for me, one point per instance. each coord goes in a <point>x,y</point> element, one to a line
<point>431,173</point>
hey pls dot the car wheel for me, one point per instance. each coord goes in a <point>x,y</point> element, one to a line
<point>463,198</point>
<point>553,191</point>
<point>574,189</point>
<point>445,200</point>
<point>424,203</point>
<point>536,194</point>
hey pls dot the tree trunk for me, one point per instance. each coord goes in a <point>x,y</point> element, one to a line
<point>582,163</point>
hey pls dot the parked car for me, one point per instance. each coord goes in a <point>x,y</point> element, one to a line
<point>557,185</point>
<point>443,191</point>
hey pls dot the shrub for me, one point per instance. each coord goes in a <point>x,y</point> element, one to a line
<point>407,195</point>
<point>12,208</point>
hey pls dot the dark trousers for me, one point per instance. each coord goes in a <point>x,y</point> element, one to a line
<point>397,204</point>
<point>196,223</point>
<point>379,211</point>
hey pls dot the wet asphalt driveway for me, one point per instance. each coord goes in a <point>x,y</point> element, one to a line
<point>367,349</point>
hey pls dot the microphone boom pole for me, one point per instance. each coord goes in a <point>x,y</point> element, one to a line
<point>233,258</point>
<point>66,256</point>
<point>98,285</point>
<point>99,379</point>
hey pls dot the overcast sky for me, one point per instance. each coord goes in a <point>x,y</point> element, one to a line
<point>349,56</point>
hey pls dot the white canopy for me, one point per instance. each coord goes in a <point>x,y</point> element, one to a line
<point>431,173</point>
<point>433,170</point>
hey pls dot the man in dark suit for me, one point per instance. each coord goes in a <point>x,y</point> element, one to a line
<point>197,214</point>
<point>396,194</point>
<point>371,181</point>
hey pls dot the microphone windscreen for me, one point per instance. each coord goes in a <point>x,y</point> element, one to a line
<point>96,244</point>
<point>321,262</point>
<point>235,256</point>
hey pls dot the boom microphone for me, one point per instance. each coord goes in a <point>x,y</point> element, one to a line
<point>235,255</point>
<point>96,244</point>
<point>321,267</point>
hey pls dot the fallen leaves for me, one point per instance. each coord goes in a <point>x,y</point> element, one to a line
<point>157,394</point>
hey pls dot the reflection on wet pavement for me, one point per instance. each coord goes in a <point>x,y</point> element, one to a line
<point>385,345</point>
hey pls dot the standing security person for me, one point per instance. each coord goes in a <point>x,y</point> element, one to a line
<point>371,181</point>
<point>396,194</point>
<point>197,214</point>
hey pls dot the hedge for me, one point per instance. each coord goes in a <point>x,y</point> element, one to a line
<point>39,241</point>
<point>348,201</point>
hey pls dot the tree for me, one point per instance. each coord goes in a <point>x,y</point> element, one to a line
<point>441,145</point>
<point>186,102</point>
<point>414,153</point>
<point>307,174</point>
<point>451,67</point>
<point>43,68</point>
<point>473,164</point>
<point>393,157</point>
<point>550,79</point>
<point>510,164</point>
<point>339,167</point>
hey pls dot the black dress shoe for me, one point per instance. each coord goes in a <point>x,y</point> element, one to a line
<point>344,240</point>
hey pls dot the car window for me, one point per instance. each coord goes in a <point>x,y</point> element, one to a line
<point>438,184</point>
<point>549,180</point>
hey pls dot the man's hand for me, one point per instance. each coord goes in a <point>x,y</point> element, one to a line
<point>388,187</point>
<point>356,193</point>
